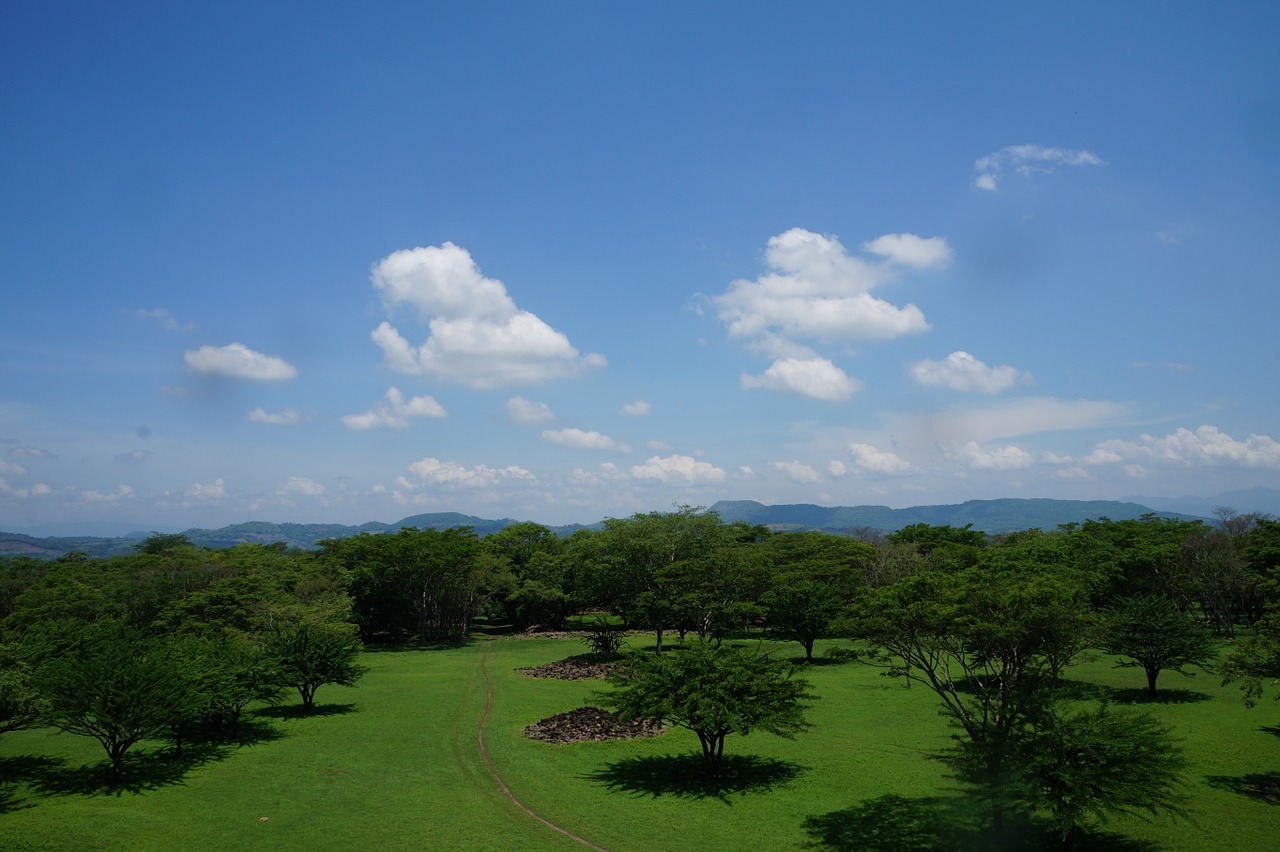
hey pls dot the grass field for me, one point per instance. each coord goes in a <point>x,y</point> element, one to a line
<point>394,764</point>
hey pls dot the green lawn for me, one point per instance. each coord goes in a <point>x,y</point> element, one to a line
<point>394,764</point>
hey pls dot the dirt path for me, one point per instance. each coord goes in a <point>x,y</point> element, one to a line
<point>493,773</point>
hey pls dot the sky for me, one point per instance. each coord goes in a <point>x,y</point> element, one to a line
<point>563,261</point>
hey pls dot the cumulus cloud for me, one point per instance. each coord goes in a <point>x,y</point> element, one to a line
<point>910,250</point>
<point>816,378</point>
<point>678,469</point>
<point>1207,446</point>
<point>300,486</point>
<point>638,408</point>
<point>797,472</point>
<point>122,492</point>
<point>816,289</point>
<point>215,490</point>
<point>432,471</point>
<point>526,412</point>
<point>395,412</point>
<point>1027,160</point>
<point>288,417</point>
<point>869,459</point>
<point>582,440</point>
<point>962,372</point>
<point>12,469</point>
<point>238,361</point>
<point>1006,457</point>
<point>476,334</point>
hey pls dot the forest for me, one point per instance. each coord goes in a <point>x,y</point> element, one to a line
<point>173,645</point>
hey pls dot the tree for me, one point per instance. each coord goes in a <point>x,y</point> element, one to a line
<point>308,656</point>
<point>114,685</point>
<point>20,704</point>
<point>1102,761</point>
<point>983,640</point>
<point>803,612</point>
<point>714,691</point>
<point>1156,636</point>
<point>1254,661</point>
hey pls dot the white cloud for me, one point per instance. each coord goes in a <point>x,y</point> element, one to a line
<point>288,417</point>
<point>12,469</point>
<point>477,336</point>
<point>677,468</point>
<point>816,378</point>
<point>395,412</point>
<point>797,472</point>
<point>963,372</point>
<point>239,361</point>
<point>1207,446</point>
<point>30,453</point>
<point>215,490</point>
<point>301,486</point>
<point>910,250</point>
<point>435,472</point>
<point>579,439</point>
<point>1015,418</point>
<point>1027,160</point>
<point>638,408</point>
<point>164,318</point>
<point>815,289</point>
<point>526,412</point>
<point>872,460</point>
<point>134,457</point>
<point>1006,457</point>
<point>122,492</point>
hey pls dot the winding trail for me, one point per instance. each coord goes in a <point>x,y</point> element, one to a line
<point>493,773</point>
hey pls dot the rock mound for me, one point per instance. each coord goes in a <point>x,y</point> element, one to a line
<point>590,723</point>
<point>579,667</point>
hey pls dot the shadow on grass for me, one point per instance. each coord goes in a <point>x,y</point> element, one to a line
<point>1139,695</point>
<point>1274,730</point>
<point>895,823</point>
<point>143,771</point>
<point>1263,786</point>
<point>297,711</point>
<point>684,776</point>
<point>14,771</point>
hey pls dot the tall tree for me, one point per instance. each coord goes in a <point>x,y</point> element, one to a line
<point>114,685</point>
<point>1151,633</point>
<point>714,691</point>
<point>309,655</point>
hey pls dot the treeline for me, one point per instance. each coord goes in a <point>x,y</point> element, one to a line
<point>975,618</point>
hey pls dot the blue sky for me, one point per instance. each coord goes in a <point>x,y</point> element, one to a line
<point>562,261</point>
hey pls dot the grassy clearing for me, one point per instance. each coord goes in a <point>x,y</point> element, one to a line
<point>393,764</point>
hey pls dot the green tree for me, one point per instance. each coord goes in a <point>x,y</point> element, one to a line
<point>307,656</point>
<point>114,685</point>
<point>20,704</point>
<point>1254,660</point>
<point>1154,635</point>
<point>1095,763</point>
<point>714,691</point>
<point>982,641</point>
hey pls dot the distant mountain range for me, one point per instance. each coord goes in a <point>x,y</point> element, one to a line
<point>990,516</point>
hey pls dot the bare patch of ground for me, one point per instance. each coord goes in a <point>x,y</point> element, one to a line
<point>578,667</point>
<point>590,723</point>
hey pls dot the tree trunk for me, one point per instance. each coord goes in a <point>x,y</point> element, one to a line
<point>1151,681</point>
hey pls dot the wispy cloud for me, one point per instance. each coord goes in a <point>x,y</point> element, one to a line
<point>526,412</point>
<point>1027,160</point>
<point>164,318</point>
<point>287,417</point>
